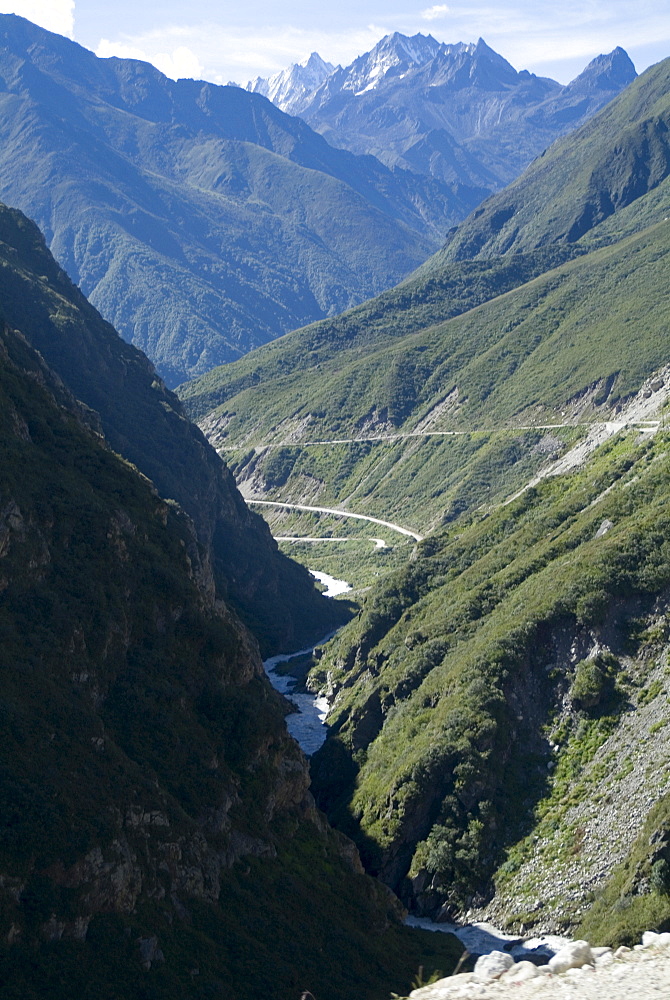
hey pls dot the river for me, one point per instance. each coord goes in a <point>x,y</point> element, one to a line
<point>308,727</point>
<point>481,938</point>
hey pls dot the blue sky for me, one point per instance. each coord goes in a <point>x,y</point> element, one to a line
<point>220,41</point>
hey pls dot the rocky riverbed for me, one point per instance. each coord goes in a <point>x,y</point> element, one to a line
<point>576,971</point>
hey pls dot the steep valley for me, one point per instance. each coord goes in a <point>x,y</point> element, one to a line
<point>482,451</point>
<point>499,704</point>
<point>158,836</point>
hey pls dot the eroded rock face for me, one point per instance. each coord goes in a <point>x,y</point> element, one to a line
<point>154,730</point>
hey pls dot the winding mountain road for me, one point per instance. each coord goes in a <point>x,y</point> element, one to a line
<point>340,513</point>
<point>641,413</point>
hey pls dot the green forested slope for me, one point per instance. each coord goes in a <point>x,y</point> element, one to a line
<point>156,833</point>
<point>532,348</point>
<point>575,340</point>
<point>144,422</point>
<point>431,296</point>
<point>457,685</point>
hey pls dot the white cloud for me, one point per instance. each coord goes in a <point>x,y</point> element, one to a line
<point>216,53</point>
<point>181,63</point>
<point>557,39</point>
<point>433,13</point>
<point>122,51</point>
<point>54,15</point>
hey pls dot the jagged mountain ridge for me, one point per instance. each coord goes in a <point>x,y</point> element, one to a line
<point>199,219</point>
<point>594,174</point>
<point>394,54</point>
<point>288,88</point>
<point>457,111</point>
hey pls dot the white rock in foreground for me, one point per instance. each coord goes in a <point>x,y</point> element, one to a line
<point>572,956</point>
<point>521,972</point>
<point>492,966</point>
<point>642,973</point>
<point>650,939</point>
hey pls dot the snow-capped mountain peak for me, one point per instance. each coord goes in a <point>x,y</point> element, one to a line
<point>288,88</point>
<point>393,52</point>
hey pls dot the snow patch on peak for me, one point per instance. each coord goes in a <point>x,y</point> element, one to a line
<point>289,88</point>
<point>395,50</point>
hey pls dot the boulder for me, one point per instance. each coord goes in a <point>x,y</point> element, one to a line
<point>444,989</point>
<point>150,952</point>
<point>650,939</point>
<point>520,972</point>
<point>492,966</point>
<point>572,956</point>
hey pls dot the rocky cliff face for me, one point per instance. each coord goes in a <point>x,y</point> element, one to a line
<point>157,832</point>
<point>145,423</point>
<point>118,658</point>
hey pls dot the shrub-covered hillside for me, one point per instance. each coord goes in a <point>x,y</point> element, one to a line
<point>485,339</point>
<point>477,684</point>
<point>144,422</point>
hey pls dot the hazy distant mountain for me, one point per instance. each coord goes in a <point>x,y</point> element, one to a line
<point>459,112</point>
<point>200,220</point>
<point>290,88</point>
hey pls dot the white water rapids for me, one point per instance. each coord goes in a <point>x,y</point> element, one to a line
<point>308,725</point>
<point>481,938</point>
<point>333,587</point>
